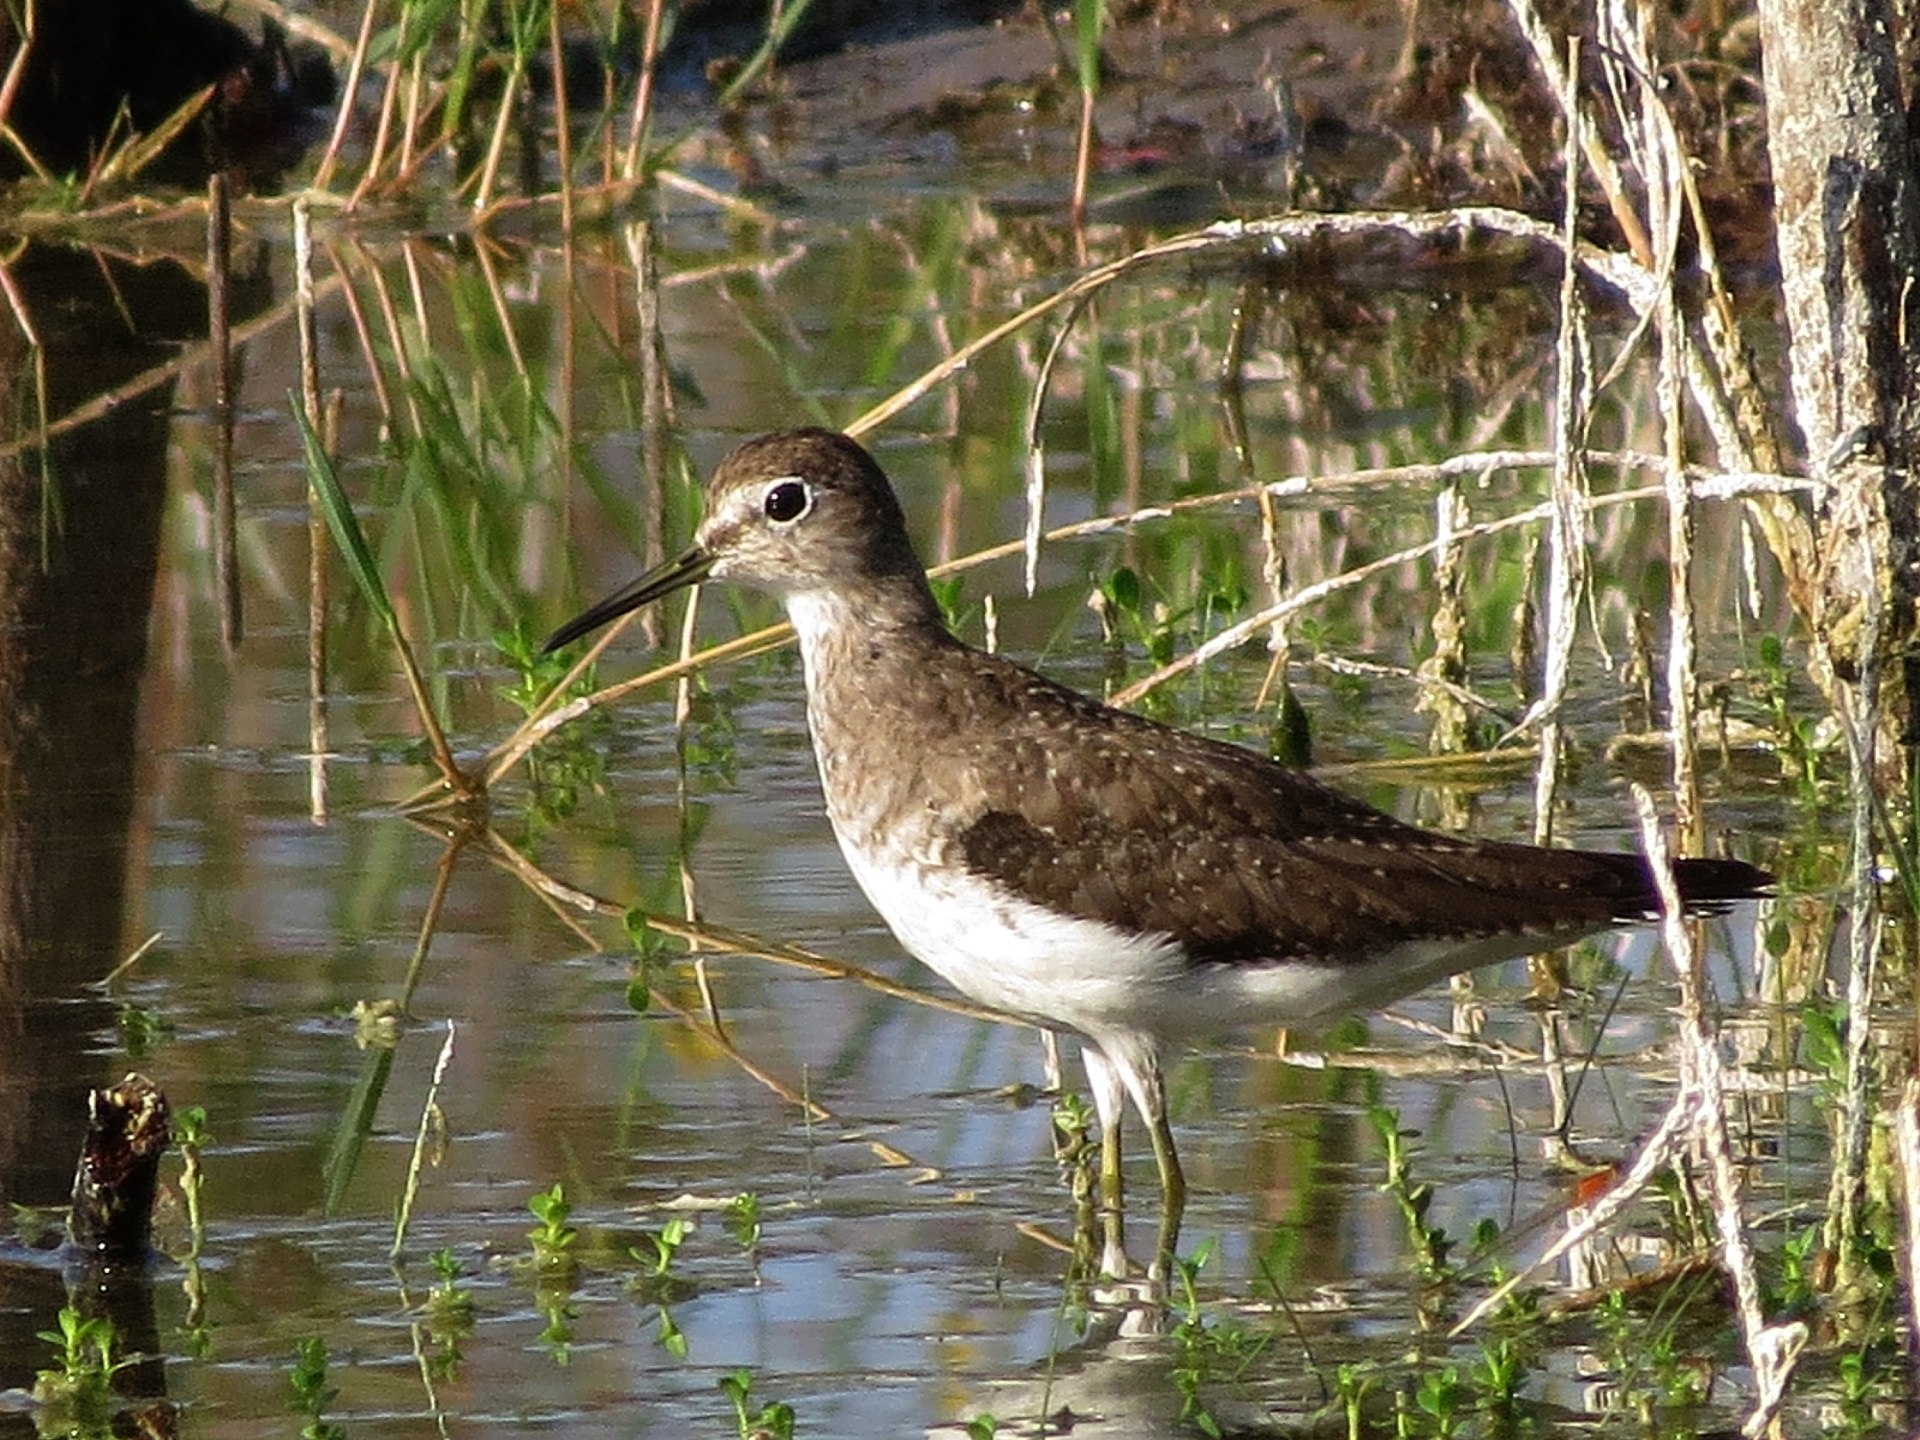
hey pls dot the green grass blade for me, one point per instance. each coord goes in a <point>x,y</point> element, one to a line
<point>1088,17</point>
<point>782,25</point>
<point>341,520</point>
<point>354,1126</point>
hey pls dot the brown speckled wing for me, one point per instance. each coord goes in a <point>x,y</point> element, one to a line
<point>1109,817</point>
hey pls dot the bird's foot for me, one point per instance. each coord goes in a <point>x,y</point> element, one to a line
<point>1136,1295</point>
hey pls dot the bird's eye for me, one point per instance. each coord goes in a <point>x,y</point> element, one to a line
<point>787,501</point>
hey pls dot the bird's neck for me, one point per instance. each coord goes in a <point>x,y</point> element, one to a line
<point>887,613</point>
<point>866,648</point>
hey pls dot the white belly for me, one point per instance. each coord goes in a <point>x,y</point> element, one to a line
<point>1072,974</point>
<point>1004,952</point>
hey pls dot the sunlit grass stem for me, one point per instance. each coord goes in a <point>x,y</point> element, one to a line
<point>416,1163</point>
<point>356,67</point>
<point>562,124</point>
<point>527,23</point>
<point>226,563</point>
<point>1089,17</point>
<point>642,120</point>
<point>25,23</point>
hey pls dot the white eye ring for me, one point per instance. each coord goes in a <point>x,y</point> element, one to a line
<point>787,500</point>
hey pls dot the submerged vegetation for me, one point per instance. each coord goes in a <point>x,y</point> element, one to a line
<point>1472,439</point>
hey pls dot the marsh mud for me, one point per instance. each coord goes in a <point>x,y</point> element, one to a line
<point>1207,110</point>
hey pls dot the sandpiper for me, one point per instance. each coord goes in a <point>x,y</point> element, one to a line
<point>1085,868</point>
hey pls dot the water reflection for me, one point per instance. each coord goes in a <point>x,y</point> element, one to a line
<point>907,1272</point>
<point>79,549</point>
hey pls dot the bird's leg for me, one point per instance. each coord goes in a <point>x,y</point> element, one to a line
<point>1050,1063</point>
<point>1173,1194</point>
<point>1149,1094</point>
<point>1109,1092</point>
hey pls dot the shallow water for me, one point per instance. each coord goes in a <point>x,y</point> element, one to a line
<point>902,1280</point>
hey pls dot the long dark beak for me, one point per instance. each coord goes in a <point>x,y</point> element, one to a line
<point>687,568</point>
